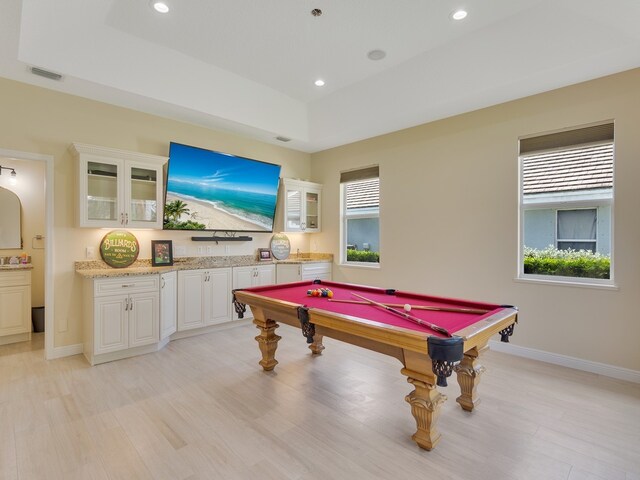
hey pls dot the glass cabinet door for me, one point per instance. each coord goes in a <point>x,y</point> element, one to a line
<point>312,210</point>
<point>143,199</point>
<point>294,209</point>
<point>102,191</point>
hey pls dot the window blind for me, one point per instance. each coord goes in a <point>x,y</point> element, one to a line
<point>569,138</point>
<point>360,174</point>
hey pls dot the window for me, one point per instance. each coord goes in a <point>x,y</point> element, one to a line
<point>577,229</point>
<point>361,216</point>
<point>566,186</point>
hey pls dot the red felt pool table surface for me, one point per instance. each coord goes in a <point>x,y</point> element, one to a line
<point>296,293</point>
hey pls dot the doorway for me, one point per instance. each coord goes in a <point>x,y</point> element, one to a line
<point>40,244</point>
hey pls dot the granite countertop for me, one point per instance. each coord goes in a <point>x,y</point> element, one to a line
<point>20,266</point>
<point>99,269</point>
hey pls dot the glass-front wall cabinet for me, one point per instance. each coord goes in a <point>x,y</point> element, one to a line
<point>119,188</point>
<point>302,206</point>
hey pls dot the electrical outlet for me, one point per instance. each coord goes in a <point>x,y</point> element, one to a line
<point>200,250</point>
<point>227,249</point>
<point>90,252</point>
<point>209,250</point>
<point>180,251</point>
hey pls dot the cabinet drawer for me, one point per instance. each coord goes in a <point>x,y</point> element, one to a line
<point>10,278</point>
<point>315,268</point>
<point>135,284</point>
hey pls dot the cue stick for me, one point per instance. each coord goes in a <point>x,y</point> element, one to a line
<point>419,307</point>
<point>406,316</point>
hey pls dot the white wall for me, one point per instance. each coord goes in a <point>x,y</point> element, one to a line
<point>449,216</point>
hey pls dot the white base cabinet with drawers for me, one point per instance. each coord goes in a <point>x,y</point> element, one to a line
<point>121,317</point>
<point>204,297</point>
<point>297,272</point>
<point>252,276</point>
<point>15,306</point>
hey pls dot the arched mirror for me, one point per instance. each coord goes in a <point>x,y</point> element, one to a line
<point>10,233</point>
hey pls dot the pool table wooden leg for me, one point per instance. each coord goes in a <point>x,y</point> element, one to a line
<point>425,400</point>
<point>317,347</point>
<point>469,372</point>
<point>267,341</point>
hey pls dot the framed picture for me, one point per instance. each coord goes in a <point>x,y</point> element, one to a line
<point>264,254</point>
<point>161,253</point>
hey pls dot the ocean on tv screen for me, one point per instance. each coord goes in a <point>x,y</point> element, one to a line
<point>219,191</point>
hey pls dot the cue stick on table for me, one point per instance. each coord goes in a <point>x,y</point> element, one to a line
<point>406,316</point>
<point>419,307</point>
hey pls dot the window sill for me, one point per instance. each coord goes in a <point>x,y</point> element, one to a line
<point>566,282</point>
<point>366,265</point>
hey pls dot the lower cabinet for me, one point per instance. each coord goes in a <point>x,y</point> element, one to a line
<point>296,272</point>
<point>204,297</point>
<point>121,315</point>
<point>15,306</point>
<point>252,276</point>
<point>168,304</point>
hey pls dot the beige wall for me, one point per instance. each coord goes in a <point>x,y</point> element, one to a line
<point>30,190</point>
<point>449,216</point>
<point>41,121</point>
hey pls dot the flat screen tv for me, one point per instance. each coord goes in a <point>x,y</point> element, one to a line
<point>208,190</point>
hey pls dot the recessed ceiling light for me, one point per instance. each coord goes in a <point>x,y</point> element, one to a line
<point>459,14</point>
<point>376,54</point>
<point>160,7</point>
<point>319,83</point>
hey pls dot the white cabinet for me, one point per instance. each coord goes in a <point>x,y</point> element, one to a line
<point>168,304</point>
<point>253,276</point>
<point>121,315</point>
<point>118,188</point>
<point>204,297</point>
<point>15,306</point>
<point>301,208</point>
<point>296,272</point>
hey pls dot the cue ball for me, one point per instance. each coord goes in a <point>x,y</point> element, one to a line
<point>407,307</point>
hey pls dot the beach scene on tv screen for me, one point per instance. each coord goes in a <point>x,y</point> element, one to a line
<point>209,190</point>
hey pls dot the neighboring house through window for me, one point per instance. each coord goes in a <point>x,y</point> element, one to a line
<point>361,216</point>
<point>566,198</point>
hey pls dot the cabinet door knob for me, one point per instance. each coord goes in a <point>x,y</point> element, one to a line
<point>126,219</point>
<point>122,219</point>
<point>126,305</point>
<point>162,282</point>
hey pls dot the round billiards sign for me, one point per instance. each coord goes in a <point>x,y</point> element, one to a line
<point>280,246</point>
<point>119,248</point>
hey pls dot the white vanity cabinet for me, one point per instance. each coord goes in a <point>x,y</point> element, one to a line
<point>302,202</point>
<point>204,297</point>
<point>15,306</point>
<point>118,188</point>
<point>253,276</point>
<point>296,272</point>
<point>121,317</point>
<point>168,304</point>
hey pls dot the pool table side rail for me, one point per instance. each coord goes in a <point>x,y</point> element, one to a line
<point>479,333</point>
<point>283,311</point>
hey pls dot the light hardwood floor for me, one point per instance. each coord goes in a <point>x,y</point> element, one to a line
<point>202,408</point>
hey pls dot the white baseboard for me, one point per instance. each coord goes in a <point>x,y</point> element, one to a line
<point>66,351</point>
<point>571,362</point>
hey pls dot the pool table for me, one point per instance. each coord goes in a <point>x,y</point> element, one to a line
<point>428,356</point>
